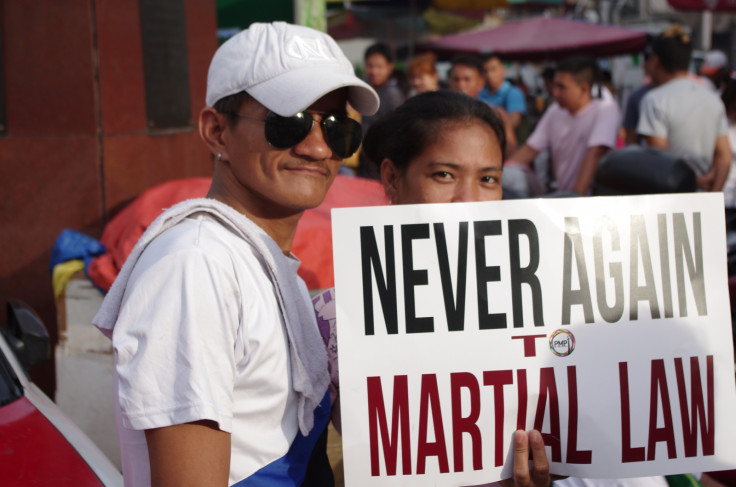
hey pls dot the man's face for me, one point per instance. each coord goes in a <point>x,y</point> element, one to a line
<point>495,72</point>
<point>466,79</point>
<point>377,70</point>
<point>568,93</point>
<point>275,183</point>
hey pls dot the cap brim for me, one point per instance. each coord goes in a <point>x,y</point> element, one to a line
<point>281,97</point>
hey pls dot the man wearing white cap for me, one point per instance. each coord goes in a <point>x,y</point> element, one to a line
<point>220,371</point>
<point>714,70</point>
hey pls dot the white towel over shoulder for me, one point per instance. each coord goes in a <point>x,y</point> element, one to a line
<point>307,351</point>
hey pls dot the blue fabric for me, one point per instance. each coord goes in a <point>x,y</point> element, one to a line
<point>71,244</point>
<point>290,469</point>
<point>508,97</point>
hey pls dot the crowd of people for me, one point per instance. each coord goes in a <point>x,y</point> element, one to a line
<point>222,376</point>
<point>555,147</point>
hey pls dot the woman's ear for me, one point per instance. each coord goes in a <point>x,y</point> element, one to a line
<point>212,129</point>
<point>390,178</point>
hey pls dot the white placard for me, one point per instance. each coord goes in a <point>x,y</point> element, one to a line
<point>603,322</point>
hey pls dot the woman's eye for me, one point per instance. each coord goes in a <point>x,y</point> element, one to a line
<point>489,179</point>
<point>442,175</point>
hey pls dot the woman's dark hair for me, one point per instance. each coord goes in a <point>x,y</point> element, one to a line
<point>406,132</point>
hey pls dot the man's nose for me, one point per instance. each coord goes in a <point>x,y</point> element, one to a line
<point>314,145</point>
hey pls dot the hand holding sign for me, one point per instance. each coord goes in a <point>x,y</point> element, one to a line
<point>526,446</point>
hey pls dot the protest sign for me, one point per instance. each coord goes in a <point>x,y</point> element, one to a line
<point>602,322</point>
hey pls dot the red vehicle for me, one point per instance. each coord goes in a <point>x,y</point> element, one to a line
<point>39,445</point>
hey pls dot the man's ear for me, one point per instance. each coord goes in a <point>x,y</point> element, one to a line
<point>390,177</point>
<point>212,129</point>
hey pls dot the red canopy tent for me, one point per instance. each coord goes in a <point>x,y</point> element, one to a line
<point>700,5</point>
<point>541,38</point>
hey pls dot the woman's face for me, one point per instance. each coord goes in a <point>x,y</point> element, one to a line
<point>463,164</point>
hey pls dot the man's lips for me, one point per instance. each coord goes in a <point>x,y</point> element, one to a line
<point>312,169</point>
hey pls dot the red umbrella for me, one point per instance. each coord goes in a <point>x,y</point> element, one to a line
<point>700,5</point>
<point>542,38</point>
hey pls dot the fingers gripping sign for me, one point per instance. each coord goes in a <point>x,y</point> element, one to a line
<point>538,476</point>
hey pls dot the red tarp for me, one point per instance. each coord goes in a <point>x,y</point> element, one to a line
<point>312,243</point>
<point>700,5</point>
<point>541,39</point>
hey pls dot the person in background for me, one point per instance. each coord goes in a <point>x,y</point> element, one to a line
<point>548,78</point>
<point>500,93</point>
<point>631,113</point>
<point>682,117</point>
<point>541,164</point>
<point>603,87</point>
<point>729,188</point>
<point>379,69</point>
<point>221,376</point>
<point>466,76</point>
<point>422,73</point>
<point>714,70</point>
<point>578,130</point>
<point>439,147</point>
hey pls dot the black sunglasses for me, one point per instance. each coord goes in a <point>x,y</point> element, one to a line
<point>342,134</point>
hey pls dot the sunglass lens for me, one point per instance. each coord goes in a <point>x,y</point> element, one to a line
<point>285,132</point>
<point>343,135</point>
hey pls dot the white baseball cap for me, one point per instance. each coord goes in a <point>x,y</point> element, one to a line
<point>286,68</point>
<point>713,61</point>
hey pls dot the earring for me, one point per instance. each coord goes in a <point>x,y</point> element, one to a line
<point>219,156</point>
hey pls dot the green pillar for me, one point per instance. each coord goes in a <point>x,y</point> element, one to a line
<point>311,13</point>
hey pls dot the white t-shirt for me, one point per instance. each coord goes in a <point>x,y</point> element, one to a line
<point>568,136</point>
<point>729,188</point>
<point>689,116</point>
<point>200,337</point>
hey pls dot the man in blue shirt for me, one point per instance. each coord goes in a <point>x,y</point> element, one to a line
<point>498,92</point>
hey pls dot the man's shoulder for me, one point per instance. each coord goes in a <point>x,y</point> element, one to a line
<point>485,95</point>
<point>605,106</point>
<point>201,234</point>
<point>514,94</point>
<point>512,88</point>
<point>391,88</point>
<point>685,88</point>
<point>676,87</point>
<point>557,113</point>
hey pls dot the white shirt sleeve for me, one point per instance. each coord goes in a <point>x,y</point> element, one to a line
<point>605,128</point>
<point>651,122</point>
<point>175,342</point>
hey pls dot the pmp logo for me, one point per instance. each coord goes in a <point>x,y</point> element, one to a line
<point>562,343</point>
